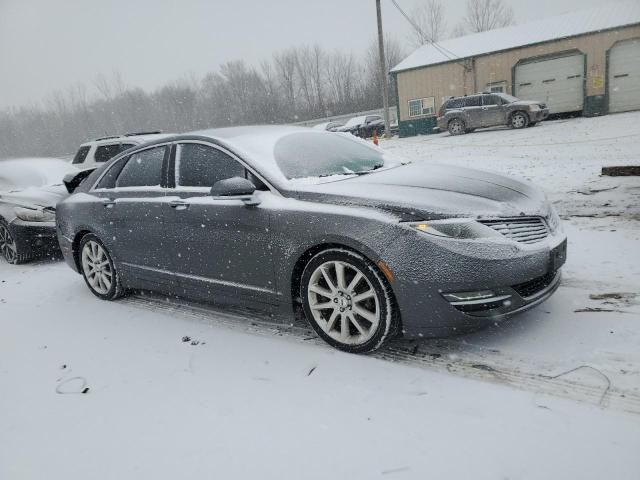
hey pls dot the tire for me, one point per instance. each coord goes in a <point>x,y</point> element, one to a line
<point>8,247</point>
<point>519,120</point>
<point>456,127</point>
<point>350,325</point>
<point>104,284</point>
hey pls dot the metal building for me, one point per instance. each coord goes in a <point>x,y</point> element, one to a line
<point>586,61</point>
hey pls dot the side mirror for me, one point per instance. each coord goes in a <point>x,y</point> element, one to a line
<point>235,187</point>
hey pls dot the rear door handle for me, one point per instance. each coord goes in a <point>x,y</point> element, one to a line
<point>107,203</point>
<point>178,205</point>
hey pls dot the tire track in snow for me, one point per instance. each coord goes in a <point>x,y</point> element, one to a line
<point>443,355</point>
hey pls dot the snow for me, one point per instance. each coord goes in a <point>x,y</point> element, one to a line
<point>612,15</point>
<point>553,393</point>
<point>32,172</point>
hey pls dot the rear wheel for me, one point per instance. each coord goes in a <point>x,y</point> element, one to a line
<point>456,127</point>
<point>519,120</point>
<point>347,301</point>
<point>98,269</point>
<point>8,247</point>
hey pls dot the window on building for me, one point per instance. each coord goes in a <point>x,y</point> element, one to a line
<point>422,106</point>
<point>497,87</point>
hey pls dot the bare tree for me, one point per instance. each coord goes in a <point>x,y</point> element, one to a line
<point>483,15</point>
<point>429,18</point>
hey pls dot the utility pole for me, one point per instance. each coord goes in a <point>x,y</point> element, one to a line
<point>383,74</point>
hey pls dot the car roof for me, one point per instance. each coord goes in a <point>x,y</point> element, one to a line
<point>137,139</point>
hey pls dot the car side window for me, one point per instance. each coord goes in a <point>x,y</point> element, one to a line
<point>126,146</point>
<point>457,103</point>
<point>200,165</point>
<point>81,155</point>
<point>106,152</point>
<point>143,169</point>
<point>491,100</point>
<point>472,102</point>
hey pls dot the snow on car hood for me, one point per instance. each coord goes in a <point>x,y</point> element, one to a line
<point>35,196</point>
<point>433,191</point>
<point>32,172</point>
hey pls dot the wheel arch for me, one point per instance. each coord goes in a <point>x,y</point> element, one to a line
<point>356,247</point>
<point>75,245</point>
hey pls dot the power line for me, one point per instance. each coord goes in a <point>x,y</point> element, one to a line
<point>444,51</point>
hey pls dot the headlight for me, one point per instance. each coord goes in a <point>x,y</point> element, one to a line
<point>464,228</point>
<point>35,215</point>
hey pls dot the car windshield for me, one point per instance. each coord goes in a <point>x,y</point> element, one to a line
<point>508,98</point>
<point>315,154</point>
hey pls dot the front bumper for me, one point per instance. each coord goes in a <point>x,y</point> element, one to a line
<point>539,115</point>
<point>34,239</point>
<point>519,278</point>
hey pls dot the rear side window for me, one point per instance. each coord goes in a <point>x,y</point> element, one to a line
<point>126,146</point>
<point>202,166</point>
<point>81,155</point>
<point>143,169</point>
<point>472,102</point>
<point>106,152</point>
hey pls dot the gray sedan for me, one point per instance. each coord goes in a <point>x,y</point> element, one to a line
<point>279,217</point>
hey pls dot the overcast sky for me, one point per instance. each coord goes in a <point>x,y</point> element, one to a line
<point>52,44</point>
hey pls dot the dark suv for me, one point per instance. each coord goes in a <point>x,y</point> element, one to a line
<point>464,114</point>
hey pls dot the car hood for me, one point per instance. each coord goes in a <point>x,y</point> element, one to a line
<point>35,196</point>
<point>428,191</point>
<point>526,102</point>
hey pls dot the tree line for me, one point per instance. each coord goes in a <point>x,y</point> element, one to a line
<point>296,84</point>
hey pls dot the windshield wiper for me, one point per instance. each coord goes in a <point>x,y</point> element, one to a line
<point>375,167</point>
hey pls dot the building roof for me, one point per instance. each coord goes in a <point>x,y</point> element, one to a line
<point>614,14</point>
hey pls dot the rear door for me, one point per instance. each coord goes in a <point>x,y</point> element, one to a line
<point>133,192</point>
<point>218,246</point>
<point>473,111</point>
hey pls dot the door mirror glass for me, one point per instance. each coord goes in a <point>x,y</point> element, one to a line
<point>233,187</point>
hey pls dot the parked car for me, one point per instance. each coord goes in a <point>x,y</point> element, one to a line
<point>464,114</point>
<point>329,126</point>
<point>360,126</point>
<point>95,152</point>
<point>27,207</point>
<point>367,244</point>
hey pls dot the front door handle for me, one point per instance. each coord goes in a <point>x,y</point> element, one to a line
<point>107,203</point>
<point>178,205</point>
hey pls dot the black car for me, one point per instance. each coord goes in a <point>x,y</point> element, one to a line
<point>367,244</point>
<point>28,223</point>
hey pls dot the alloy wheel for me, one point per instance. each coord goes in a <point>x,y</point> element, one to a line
<point>8,245</point>
<point>343,303</point>
<point>96,267</point>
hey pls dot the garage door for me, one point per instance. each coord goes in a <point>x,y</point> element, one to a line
<point>624,76</point>
<point>558,82</point>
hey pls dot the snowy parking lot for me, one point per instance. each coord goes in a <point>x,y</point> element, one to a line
<point>176,390</point>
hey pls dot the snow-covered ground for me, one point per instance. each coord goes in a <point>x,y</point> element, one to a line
<point>553,393</point>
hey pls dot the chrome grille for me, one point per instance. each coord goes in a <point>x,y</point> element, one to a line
<point>521,229</point>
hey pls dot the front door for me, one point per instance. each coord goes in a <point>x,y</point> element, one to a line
<point>219,247</point>
<point>133,192</point>
<point>492,111</point>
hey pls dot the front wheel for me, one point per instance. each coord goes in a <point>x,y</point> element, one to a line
<point>8,247</point>
<point>98,269</point>
<point>456,127</point>
<point>347,301</point>
<point>519,120</point>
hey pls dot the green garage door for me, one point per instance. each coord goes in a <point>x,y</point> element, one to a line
<point>558,82</point>
<point>624,76</point>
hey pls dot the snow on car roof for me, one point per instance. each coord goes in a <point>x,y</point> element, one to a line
<point>612,15</point>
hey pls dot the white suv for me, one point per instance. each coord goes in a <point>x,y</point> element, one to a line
<point>100,150</point>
